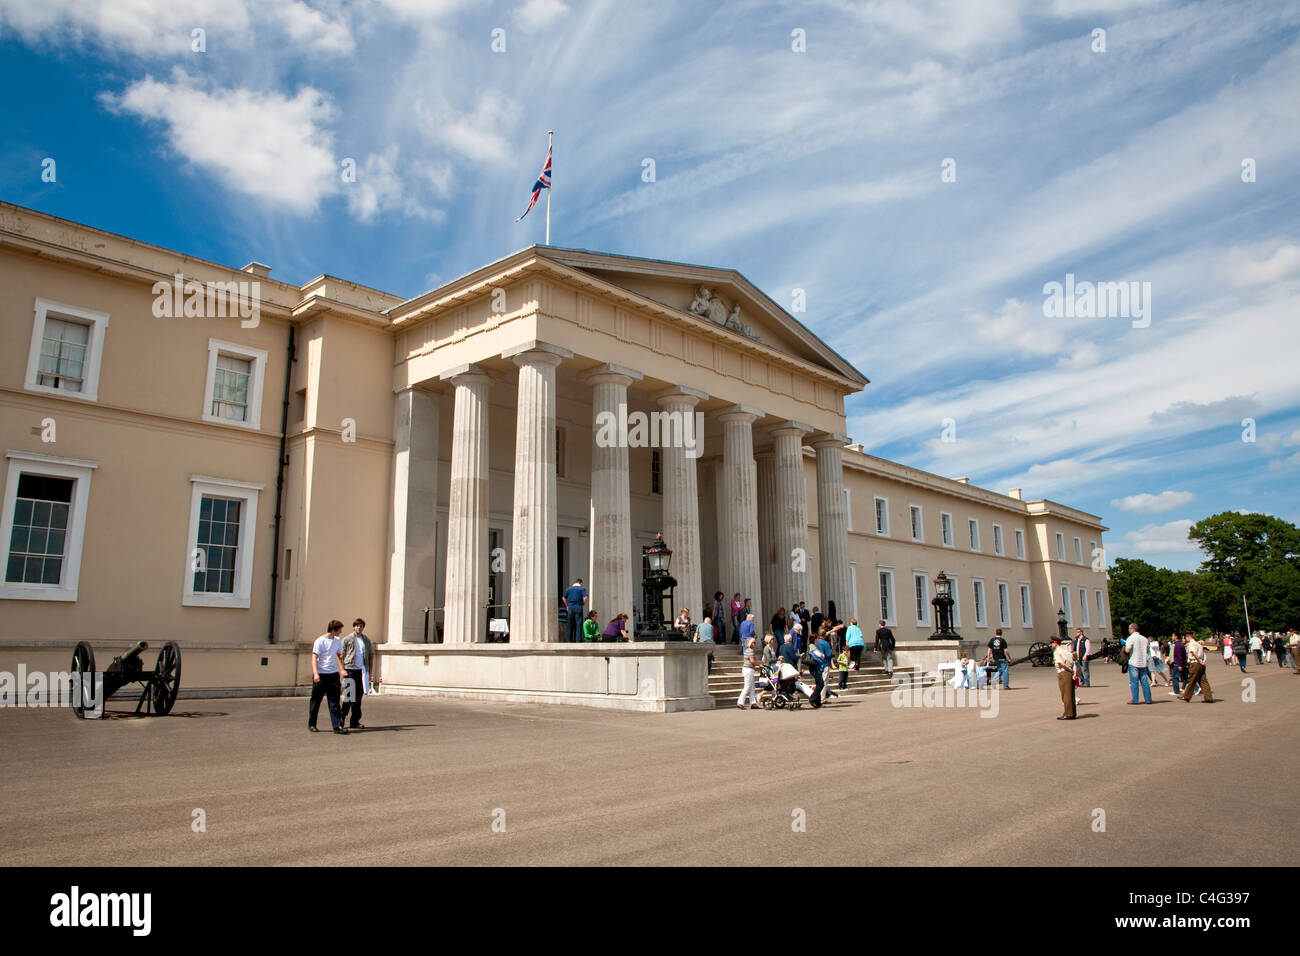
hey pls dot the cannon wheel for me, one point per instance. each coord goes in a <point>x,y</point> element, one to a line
<point>1040,654</point>
<point>166,683</point>
<point>83,665</point>
<point>1114,652</point>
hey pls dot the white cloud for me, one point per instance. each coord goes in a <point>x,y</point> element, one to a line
<point>479,134</point>
<point>1019,327</point>
<point>143,27</point>
<point>379,188</point>
<point>313,29</point>
<point>538,14</point>
<point>269,146</point>
<point>1165,501</point>
<point>1167,538</point>
<point>1244,268</point>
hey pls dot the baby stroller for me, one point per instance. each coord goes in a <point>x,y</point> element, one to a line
<point>782,692</point>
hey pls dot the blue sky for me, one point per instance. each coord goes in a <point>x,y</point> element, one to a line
<point>818,170</point>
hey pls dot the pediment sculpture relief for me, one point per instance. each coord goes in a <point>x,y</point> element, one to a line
<point>710,306</point>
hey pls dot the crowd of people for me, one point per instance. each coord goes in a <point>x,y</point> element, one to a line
<point>1180,662</point>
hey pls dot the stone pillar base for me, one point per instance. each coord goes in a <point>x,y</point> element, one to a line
<point>654,677</point>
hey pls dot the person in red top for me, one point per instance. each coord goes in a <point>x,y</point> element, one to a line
<point>737,615</point>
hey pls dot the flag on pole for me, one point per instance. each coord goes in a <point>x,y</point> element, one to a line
<point>543,182</point>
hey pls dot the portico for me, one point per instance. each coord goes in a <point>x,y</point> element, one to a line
<point>506,486</point>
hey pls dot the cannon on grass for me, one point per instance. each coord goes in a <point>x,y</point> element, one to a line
<point>159,687</point>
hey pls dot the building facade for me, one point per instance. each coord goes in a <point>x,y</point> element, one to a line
<point>205,454</point>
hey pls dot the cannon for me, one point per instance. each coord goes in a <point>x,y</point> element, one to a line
<point>159,686</point>
<point>1040,653</point>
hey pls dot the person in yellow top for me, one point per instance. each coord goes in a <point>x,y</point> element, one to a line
<point>1063,658</point>
<point>1196,671</point>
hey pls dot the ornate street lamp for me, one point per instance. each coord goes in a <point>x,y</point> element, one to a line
<point>656,587</point>
<point>942,603</point>
<point>1061,626</point>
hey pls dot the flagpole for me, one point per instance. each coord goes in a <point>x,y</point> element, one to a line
<point>1247,607</point>
<point>549,134</point>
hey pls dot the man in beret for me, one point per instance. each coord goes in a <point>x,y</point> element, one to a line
<point>1063,658</point>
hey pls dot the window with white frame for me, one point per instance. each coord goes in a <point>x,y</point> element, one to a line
<point>223,527</point>
<point>1060,546</point>
<point>1004,604</point>
<point>945,528</point>
<point>66,350</point>
<point>974,526</point>
<point>1020,543</point>
<point>955,593</point>
<point>882,515</point>
<point>997,539</point>
<point>1083,607</point>
<point>1078,551</point>
<point>921,587</point>
<point>1101,611</point>
<point>1093,554</point>
<point>981,613</point>
<point>886,579</point>
<point>233,394</point>
<point>1065,604</point>
<point>43,525</point>
<point>848,509</point>
<point>1026,607</point>
<point>918,526</point>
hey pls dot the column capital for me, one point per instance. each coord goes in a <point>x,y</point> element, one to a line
<point>740,413</point>
<point>610,374</point>
<point>791,427</point>
<point>541,353</point>
<point>466,375</point>
<point>680,395</point>
<point>830,440</point>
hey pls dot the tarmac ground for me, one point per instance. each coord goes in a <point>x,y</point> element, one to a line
<point>860,782</point>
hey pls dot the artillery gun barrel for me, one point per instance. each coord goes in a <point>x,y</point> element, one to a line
<point>135,651</point>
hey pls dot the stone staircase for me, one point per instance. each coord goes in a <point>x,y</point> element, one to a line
<point>726,682</point>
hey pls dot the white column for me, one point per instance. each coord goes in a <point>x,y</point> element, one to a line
<point>740,479</point>
<point>413,561</point>
<point>791,531</point>
<point>613,587</point>
<point>832,524</point>
<point>765,462</point>
<point>465,615</point>
<point>681,509</point>
<point>534,601</point>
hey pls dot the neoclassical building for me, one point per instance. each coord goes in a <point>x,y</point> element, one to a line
<point>206,454</point>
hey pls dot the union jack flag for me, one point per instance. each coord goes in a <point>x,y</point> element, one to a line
<point>543,182</point>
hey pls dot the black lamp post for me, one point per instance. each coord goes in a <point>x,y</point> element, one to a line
<point>656,586</point>
<point>1061,626</point>
<point>942,603</point>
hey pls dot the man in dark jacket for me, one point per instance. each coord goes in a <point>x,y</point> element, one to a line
<point>885,645</point>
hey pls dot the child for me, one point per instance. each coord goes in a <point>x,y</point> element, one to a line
<point>842,665</point>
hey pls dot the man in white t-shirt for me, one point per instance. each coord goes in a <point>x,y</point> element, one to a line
<point>326,666</point>
<point>1139,664</point>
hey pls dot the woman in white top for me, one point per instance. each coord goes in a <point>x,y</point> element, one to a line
<point>1159,669</point>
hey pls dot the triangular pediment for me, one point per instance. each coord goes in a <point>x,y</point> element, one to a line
<point>722,296</point>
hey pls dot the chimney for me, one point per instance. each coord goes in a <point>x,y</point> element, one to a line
<point>257,269</point>
<point>1014,493</point>
<point>962,481</point>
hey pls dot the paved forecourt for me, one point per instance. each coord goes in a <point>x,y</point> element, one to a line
<point>873,783</point>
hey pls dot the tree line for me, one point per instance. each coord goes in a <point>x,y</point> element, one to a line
<point>1254,555</point>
